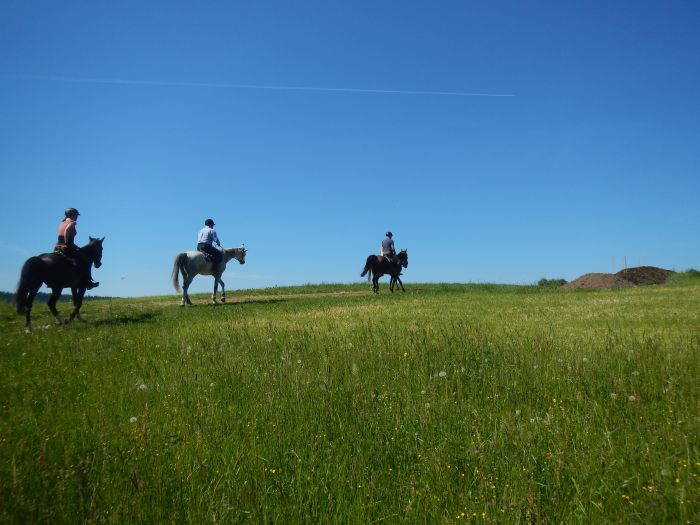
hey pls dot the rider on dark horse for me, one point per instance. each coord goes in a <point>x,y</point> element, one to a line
<point>387,249</point>
<point>205,242</point>
<point>66,246</point>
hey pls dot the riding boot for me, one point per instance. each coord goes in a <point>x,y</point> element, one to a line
<point>89,282</point>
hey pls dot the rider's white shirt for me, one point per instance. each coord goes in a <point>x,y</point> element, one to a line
<point>207,235</point>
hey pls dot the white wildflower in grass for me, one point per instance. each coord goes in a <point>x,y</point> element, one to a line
<point>635,373</point>
<point>585,360</point>
<point>133,419</point>
<point>517,412</point>
<point>442,373</point>
<point>613,395</point>
<point>298,361</point>
<point>427,405</point>
<point>631,398</point>
<point>143,387</point>
<point>269,339</point>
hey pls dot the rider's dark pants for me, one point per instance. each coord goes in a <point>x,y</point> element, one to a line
<point>72,252</point>
<point>208,248</point>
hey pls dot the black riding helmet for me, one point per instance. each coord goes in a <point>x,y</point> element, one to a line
<point>389,234</point>
<point>209,222</point>
<point>71,212</point>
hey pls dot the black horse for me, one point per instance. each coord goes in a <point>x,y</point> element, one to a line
<point>378,266</point>
<point>57,271</point>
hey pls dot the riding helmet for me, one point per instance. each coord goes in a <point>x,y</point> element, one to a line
<point>71,211</point>
<point>209,222</point>
<point>389,234</point>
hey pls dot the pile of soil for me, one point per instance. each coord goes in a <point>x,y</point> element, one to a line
<point>625,278</point>
<point>645,275</point>
<point>597,281</point>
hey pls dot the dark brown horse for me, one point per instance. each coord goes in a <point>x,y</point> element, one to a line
<point>57,271</point>
<point>377,266</point>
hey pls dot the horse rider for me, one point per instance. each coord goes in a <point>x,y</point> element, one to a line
<point>205,242</point>
<point>66,246</point>
<point>387,250</point>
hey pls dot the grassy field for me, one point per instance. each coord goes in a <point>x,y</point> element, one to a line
<point>327,404</point>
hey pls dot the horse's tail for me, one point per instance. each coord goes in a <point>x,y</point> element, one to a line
<point>24,286</point>
<point>368,268</point>
<point>180,265</point>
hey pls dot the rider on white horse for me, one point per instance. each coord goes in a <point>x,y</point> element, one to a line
<point>205,242</point>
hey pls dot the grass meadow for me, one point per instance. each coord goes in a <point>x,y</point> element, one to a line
<point>327,404</point>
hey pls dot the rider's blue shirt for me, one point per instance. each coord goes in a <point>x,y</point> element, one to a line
<point>388,246</point>
<point>207,235</point>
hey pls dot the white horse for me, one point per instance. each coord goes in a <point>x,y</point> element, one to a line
<point>192,263</point>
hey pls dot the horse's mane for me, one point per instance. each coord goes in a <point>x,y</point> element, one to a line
<point>90,246</point>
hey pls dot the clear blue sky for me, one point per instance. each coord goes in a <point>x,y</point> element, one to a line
<point>130,112</point>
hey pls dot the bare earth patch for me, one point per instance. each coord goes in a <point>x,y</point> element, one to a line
<point>623,279</point>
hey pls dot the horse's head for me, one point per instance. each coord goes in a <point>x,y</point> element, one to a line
<point>239,254</point>
<point>402,256</point>
<point>94,251</point>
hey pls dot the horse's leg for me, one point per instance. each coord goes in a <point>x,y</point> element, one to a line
<point>223,290</point>
<point>78,302</point>
<point>400,283</point>
<point>216,287</point>
<point>33,289</point>
<point>74,295</point>
<point>375,283</point>
<point>55,294</point>
<point>185,286</point>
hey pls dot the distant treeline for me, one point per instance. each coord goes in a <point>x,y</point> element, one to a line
<point>43,297</point>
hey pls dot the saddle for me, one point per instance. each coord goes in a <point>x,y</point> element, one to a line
<point>207,256</point>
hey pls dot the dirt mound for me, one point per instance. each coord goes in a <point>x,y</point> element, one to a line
<point>624,278</point>
<point>597,281</point>
<point>645,275</point>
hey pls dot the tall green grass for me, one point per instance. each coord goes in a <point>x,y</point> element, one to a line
<point>448,403</point>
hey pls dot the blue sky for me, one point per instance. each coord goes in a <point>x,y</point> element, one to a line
<point>129,111</point>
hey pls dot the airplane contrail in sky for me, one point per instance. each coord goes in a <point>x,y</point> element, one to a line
<point>131,82</point>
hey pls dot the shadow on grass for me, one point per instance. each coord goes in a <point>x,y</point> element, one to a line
<point>246,302</point>
<point>229,304</point>
<point>124,319</point>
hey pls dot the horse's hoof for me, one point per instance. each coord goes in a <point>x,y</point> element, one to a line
<point>223,299</point>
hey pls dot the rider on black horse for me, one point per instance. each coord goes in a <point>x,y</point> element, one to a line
<point>205,242</point>
<point>387,249</point>
<point>66,246</point>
